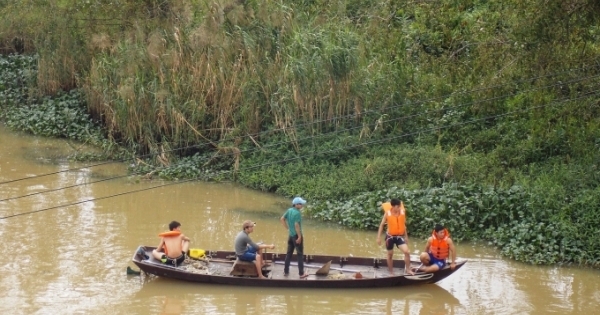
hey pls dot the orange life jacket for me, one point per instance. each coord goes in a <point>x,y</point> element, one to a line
<point>396,224</point>
<point>169,234</point>
<point>439,248</point>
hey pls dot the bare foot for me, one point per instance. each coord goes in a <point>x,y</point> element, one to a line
<point>410,272</point>
<point>304,276</point>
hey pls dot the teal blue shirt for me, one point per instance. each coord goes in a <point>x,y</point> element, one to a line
<point>292,215</point>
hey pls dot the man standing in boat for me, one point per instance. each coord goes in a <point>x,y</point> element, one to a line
<point>292,221</point>
<point>439,248</point>
<point>395,217</point>
<point>247,250</point>
<point>173,245</point>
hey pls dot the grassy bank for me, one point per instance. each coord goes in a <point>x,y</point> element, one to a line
<point>455,101</point>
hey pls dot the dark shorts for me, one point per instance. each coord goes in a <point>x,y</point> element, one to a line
<point>390,241</point>
<point>175,261</point>
<point>249,255</point>
<point>439,262</point>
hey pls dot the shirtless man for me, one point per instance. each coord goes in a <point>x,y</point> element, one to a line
<point>173,245</point>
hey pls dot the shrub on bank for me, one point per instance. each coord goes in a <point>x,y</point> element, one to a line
<point>63,115</point>
<point>363,96</point>
<point>524,224</point>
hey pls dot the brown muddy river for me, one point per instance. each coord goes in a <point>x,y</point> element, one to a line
<point>72,259</point>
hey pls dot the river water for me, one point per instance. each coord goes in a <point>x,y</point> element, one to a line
<point>66,251</point>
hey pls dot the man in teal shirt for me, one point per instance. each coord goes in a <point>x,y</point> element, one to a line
<point>292,221</point>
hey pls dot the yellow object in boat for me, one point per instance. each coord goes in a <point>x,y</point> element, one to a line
<point>197,253</point>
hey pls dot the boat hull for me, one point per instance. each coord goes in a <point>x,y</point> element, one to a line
<point>372,272</point>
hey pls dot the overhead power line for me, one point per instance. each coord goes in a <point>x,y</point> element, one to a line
<point>325,134</point>
<point>594,92</point>
<point>321,121</point>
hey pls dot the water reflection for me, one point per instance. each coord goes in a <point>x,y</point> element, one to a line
<point>218,299</point>
<point>430,299</point>
<point>72,259</point>
<point>173,306</point>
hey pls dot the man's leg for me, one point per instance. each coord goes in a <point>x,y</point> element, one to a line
<point>300,254</point>
<point>156,254</point>
<point>185,246</point>
<point>429,269</point>
<point>390,262</point>
<point>407,269</point>
<point>288,255</point>
<point>258,264</point>
<point>259,252</point>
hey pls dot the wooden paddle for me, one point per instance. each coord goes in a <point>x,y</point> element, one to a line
<point>221,260</point>
<point>208,260</point>
<point>315,266</point>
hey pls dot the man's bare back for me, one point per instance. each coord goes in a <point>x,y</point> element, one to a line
<point>174,245</point>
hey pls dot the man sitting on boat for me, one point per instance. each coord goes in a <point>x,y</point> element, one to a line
<point>439,248</point>
<point>173,245</point>
<point>247,250</point>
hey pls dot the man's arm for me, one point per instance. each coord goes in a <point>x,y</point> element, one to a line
<point>283,222</point>
<point>160,246</point>
<point>380,230</point>
<point>270,246</point>
<point>298,232</point>
<point>249,241</point>
<point>452,253</point>
<point>428,245</point>
<point>185,238</point>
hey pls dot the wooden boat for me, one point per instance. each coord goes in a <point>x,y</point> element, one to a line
<point>344,272</point>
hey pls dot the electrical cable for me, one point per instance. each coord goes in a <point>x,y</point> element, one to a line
<point>313,122</point>
<point>323,134</point>
<point>314,153</point>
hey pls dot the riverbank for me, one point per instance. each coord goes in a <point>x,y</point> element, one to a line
<point>486,123</point>
<point>520,220</point>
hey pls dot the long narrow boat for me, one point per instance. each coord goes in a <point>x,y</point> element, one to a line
<point>341,272</point>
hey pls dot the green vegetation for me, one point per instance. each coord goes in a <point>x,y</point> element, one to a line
<point>484,112</point>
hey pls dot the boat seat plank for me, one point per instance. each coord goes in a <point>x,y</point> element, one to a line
<point>244,268</point>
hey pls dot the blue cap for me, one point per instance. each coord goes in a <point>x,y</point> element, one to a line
<point>298,201</point>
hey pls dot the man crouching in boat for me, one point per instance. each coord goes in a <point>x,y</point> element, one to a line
<point>439,248</point>
<point>247,250</point>
<point>173,245</point>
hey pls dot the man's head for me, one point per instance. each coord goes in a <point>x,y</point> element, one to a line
<point>298,202</point>
<point>439,230</point>
<point>395,203</point>
<point>248,225</point>
<point>173,225</point>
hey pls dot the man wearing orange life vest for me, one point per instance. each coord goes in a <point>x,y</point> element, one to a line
<point>395,217</point>
<point>173,245</point>
<point>439,248</point>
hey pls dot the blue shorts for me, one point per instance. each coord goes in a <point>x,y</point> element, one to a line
<point>439,262</point>
<point>249,254</point>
